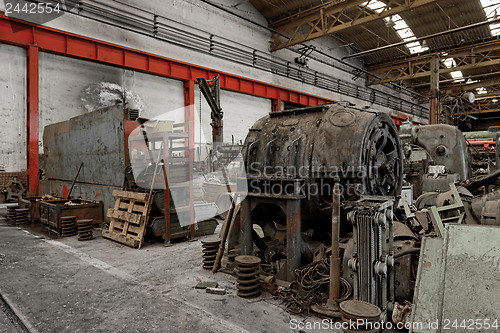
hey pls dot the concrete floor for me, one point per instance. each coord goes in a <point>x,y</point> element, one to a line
<point>63,285</point>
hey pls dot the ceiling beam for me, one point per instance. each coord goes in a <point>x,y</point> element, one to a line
<point>466,58</point>
<point>445,83</point>
<point>483,106</point>
<point>331,17</point>
<point>489,95</point>
<point>472,86</point>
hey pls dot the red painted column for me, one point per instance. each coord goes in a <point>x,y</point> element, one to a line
<point>32,117</point>
<point>277,105</point>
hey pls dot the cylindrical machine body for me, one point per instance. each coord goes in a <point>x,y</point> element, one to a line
<point>316,146</point>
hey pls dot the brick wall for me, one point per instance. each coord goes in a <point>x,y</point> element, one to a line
<point>6,177</point>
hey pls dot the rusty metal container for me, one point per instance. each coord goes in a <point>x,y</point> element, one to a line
<point>52,211</point>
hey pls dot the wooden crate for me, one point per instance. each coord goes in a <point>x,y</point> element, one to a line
<point>129,218</point>
<point>51,212</point>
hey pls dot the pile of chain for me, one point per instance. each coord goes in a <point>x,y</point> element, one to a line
<point>310,287</point>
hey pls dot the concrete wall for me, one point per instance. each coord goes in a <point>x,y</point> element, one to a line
<point>198,18</point>
<point>13,109</point>
<point>63,79</point>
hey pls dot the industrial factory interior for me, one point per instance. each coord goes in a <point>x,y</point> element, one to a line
<point>250,166</point>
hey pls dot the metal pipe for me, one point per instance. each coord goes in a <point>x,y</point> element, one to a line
<point>334,294</point>
<point>74,180</point>
<point>438,34</point>
<point>391,258</point>
<point>246,227</point>
<point>293,237</point>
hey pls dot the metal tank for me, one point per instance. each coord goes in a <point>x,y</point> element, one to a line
<point>294,158</point>
<point>316,146</point>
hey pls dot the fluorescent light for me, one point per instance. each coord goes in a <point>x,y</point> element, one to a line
<point>481,91</point>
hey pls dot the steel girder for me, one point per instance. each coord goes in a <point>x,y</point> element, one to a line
<point>332,16</point>
<point>466,58</point>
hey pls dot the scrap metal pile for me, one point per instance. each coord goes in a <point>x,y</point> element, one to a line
<point>313,281</point>
<point>295,158</point>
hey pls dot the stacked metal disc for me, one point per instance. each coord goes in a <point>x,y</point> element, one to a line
<point>232,254</point>
<point>248,275</point>
<point>84,230</point>
<point>11,213</point>
<point>68,226</point>
<point>22,216</point>
<point>210,248</point>
<point>365,315</point>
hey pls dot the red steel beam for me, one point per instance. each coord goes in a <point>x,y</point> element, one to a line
<point>21,33</point>
<point>32,117</point>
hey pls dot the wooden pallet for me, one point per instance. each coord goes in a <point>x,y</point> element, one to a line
<point>129,218</point>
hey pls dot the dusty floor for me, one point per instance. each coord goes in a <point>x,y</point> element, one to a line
<point>62,285</point>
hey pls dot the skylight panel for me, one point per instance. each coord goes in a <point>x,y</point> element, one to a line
<point>376,6</point>
<point>492,9</point>
<point>399,26</point>
<point>456,75</point>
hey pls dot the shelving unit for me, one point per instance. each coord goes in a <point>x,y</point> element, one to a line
<point>176,176</point>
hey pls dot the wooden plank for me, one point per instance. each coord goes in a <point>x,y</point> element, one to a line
<point>123,205</point>
<point>117,226</point>
<point>119,238</point>
<point>131,195</point>
<point>125,216</point>
<point>117,223</point>
<point>137,207</point>
<point>134,229</point>
<point>125,226</point>
<point>117,205</point>
<point>146,215</point>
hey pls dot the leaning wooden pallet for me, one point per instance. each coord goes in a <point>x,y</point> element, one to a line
<point>129,218</point>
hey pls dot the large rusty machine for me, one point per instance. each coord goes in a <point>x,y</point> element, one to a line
<point>294,159</point>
